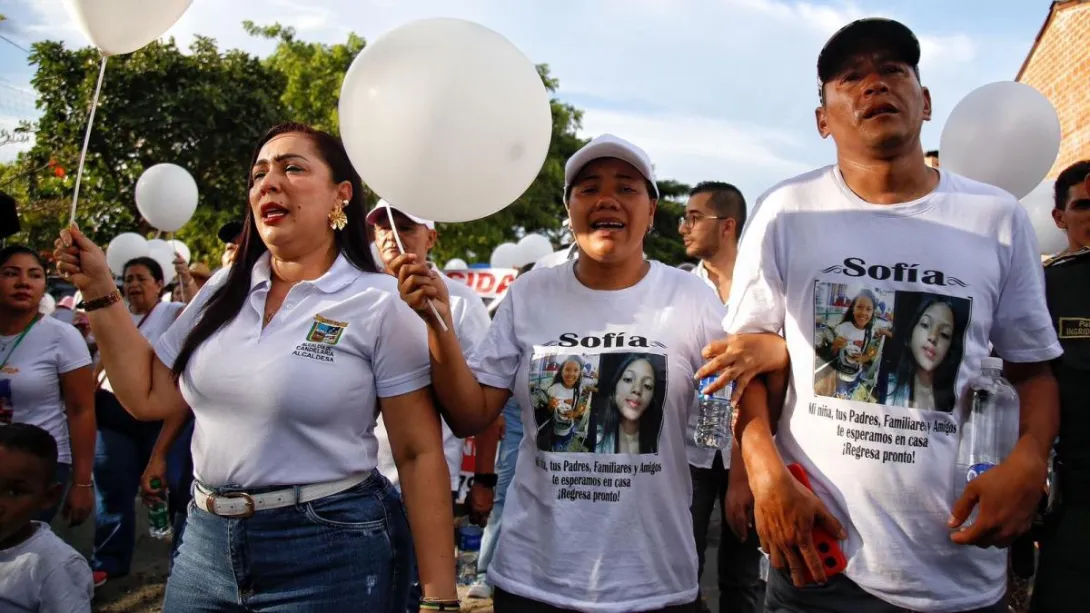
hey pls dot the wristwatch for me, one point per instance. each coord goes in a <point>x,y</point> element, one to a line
<point>485,479</point>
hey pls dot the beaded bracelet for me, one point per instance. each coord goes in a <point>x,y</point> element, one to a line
<point>435,604</point>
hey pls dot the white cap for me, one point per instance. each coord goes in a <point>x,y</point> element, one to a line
<point>990,362</point>
<point>609,146</point>
<point>380,209</point>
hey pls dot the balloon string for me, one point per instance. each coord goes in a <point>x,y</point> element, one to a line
<point>401,248</point>
<point>181,282</point>
<point>87,140</point>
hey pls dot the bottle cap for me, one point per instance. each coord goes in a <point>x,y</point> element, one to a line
<point>990,362</point>
<point>156,483</point>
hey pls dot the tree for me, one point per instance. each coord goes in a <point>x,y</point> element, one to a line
<point>203,111</point>
<point>664,243</point>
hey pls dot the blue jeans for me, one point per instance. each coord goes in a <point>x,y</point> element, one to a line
<point>122,449</point>
<point>63,474</point>
<point>343,553</point>
<point>505,472</point>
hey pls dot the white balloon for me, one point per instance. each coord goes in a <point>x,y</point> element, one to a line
<point>1039,204</point>
<point>456,264</point>
<point>181,249</point>
<point>163,254</point>
<point>125,247</point>
<point>123,26</point>
<point>445,119</point>
<point>1006,134</point>
<point>47,305</point>
<point>532,248</point>
<point>505,255</point>
<point>166,196</point>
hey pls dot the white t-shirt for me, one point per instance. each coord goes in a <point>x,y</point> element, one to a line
<point>43,574</point>
<point>157,323</point>
<point>699,456</point>
<point>954,271</point>
<point>30,383</point>
<point>589,528</point>
<point>470,324</point>
<point>295,403</point>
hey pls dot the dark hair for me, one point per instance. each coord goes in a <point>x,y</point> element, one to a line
<point>726,200</point>
<point>153,267</point>
<point>606,417</point>
<point>942,382</point>
<point>13,250</point>
<point>32,440</point>
<point>525,269</point>
<point>934,153</point>
<point>1070,177</point>
<point>227,300</point>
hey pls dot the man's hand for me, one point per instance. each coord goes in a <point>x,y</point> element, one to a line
<point>1006,498</point>
<point>739,358</point>
<point>480,504</point>
<point>739,503</point>
<point>786,513</point>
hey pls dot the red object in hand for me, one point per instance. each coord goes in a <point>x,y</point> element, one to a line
<point>832,558</point>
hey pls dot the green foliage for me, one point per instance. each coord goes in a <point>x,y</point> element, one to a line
<point>664,243</point>
<point>202,111</point>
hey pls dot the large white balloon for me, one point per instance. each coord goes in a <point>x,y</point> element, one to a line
<point>181,249</point>
<point>532,248</point>
<point>163,254</point>
<point>123,26</point>
<point>1039,204</point>
<point>1006,134</point>
<point>123,248</point>
<point>456,264</point>
<point>445,119</point>
<point>166,196</point>
<point>505,255</point>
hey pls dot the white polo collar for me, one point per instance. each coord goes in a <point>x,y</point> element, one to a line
<point>336,278</point>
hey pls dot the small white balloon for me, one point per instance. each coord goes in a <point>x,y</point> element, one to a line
<point>1006,134</point>
<point>1039,204</point>
<point>181,249</point>
<point>125,247</point>
<point>47,305</point>
<point>505,255</point>
<point>123,26</point>
<point>163,254</point>
<point>456,264</point>
<point>533,247</point>
<point>445,119</point>
<point>166,196</point>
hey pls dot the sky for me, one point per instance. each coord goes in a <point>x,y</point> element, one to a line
<point>712,89</point>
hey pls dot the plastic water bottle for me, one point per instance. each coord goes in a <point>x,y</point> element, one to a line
<point>158,514</point>
<point>469,548</point>
<point>713,426</point>
<point>991,429</point>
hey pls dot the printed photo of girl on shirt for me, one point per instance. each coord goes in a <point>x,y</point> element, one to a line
<point>852,326</point>
<point>561,387</point>
<point>627,412</point>
<point>921,371</point>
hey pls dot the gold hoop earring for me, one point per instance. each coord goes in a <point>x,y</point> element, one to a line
<point>337,219</point>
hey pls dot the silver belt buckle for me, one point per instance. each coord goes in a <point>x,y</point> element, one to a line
<point>210,504</point>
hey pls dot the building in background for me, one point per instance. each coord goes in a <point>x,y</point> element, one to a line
<point>1058,65</point>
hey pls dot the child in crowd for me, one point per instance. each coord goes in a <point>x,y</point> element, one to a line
<point>38,571</point>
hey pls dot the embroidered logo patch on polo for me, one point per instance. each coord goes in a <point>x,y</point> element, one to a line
<point>326,331</point>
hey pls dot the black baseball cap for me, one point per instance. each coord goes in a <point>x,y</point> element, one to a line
<point>230,231</point>
<point>891,35</point>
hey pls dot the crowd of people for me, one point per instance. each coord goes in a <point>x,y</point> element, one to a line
<point>306,402</point>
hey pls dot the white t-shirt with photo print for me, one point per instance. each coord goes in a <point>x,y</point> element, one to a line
<point>962,266</point>
<point>593,529</point>
<point>30,383</point>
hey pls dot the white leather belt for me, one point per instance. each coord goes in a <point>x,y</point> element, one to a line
<point>240,505</point>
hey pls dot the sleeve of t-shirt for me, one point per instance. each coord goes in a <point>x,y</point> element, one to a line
<point>400,359</point>
<point>170,343</point>
<point>757,301</point>
<point>495,360</point>
<point>474,325</point>
<point>67,588</point>
<point>1022,328</point>
<point>710,313</point>
<point>72,352</point>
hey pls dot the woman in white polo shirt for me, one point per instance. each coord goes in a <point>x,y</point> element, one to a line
<point>609,529</point>
<point>45,377</point>
<point>285,359</point>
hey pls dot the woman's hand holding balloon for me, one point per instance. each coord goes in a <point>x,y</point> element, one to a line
<point>422,289</point>
<point>83,263</point>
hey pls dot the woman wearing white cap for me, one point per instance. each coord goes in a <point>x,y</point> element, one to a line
<point>608,529</point>
<point>285,359</point>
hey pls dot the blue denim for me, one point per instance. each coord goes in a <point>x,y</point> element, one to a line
<point>345,553</point>
<point>180,483</point>
<point>505,472</point>
<point>62,475</point>
<point>120,459</point>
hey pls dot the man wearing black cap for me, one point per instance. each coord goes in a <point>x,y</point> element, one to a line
<point>892,281</point>
<point>231,235</point>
